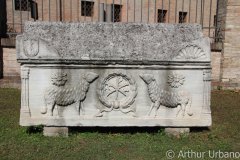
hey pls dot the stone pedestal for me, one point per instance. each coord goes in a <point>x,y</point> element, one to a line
<point>55,131</point>
<point>177,132</point>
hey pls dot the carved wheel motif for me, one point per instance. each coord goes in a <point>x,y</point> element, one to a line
<point>117,91</point>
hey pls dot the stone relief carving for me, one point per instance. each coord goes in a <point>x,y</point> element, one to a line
<point>117,91</point>
<point>181,99</point>
<point>207,90</point>
<point>191,52</point>
<point>25,109</point>
<point>175,80</point>
<point>59,78</point>
<point>64,95</point>
<point>30,46</point>
<point>206,75</point>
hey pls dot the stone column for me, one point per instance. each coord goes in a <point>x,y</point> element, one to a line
<point>25,110</point>
<point>206,91</point>
<point>101,12</point>
<point>109,13</point>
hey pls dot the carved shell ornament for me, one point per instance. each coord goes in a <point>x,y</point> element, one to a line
<point>191,52</point>
<point>117,91</point>
<point>30,46</point>
<point>175,80</point>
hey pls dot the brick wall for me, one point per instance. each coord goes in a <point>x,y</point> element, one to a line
<point>231,51</point>
<point>215,63</point>
<point>11,69</point>
<point>10,65</point>
<point>139,12</point>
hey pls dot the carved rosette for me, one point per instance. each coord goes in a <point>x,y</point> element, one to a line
<point>30,46</point>
<point>117,91</point>
<point>175,80</point>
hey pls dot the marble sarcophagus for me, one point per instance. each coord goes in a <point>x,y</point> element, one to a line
<point>114,74</point>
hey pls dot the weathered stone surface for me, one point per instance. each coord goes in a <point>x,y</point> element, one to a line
<point>177,132</point>
<point>69,82</point>
<point>112,42</point>
<point>55,131</point>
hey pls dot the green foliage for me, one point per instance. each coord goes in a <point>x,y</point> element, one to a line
<point>18,142</point>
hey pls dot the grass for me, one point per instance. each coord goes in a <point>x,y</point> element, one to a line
<point>18,142</point>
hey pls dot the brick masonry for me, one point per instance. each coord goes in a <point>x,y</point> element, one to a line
<point>11,69</point>
<point>215,62</point>
<point>230,76</point>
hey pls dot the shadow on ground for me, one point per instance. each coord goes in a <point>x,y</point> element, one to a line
<point>114,130</point>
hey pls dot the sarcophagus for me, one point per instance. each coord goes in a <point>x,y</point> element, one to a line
<point>114,74</point>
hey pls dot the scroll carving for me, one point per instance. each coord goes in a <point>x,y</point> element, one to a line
<point>117,91</point>
<point>181,99</point>
<point>64,95</point>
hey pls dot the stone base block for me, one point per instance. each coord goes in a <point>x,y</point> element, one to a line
<point>55,131</point>
<point>177,132</point>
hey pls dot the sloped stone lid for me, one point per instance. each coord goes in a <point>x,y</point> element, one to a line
<point>124,43</point>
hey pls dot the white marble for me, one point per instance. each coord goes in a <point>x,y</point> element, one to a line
<point>171,90</point>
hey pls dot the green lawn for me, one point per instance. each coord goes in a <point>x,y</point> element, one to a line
<point>18,142</point>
